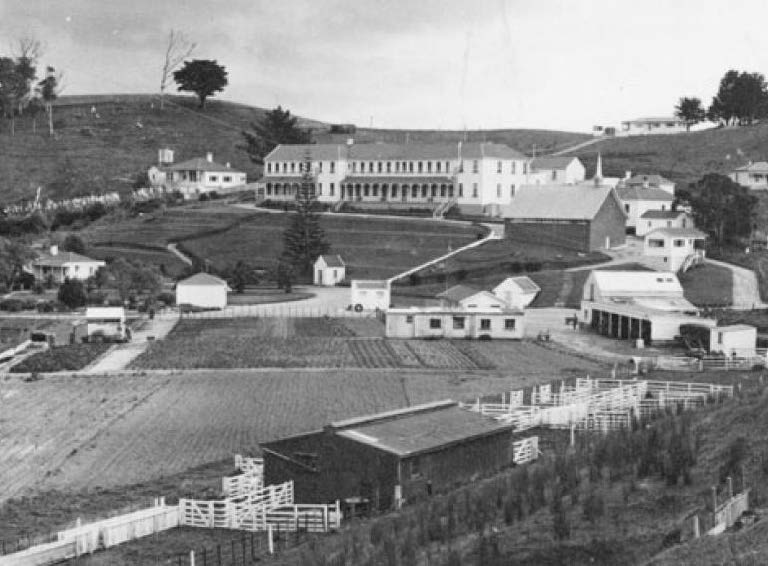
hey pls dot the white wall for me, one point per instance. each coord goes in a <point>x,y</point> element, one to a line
<point>328,276</point>
<point>510,293</point>
<point>639,207</point>
<point>370,299</point>
<point>398,326</point>
<point>672,257</point>
<point>728,341</point>
<point>206,296</point>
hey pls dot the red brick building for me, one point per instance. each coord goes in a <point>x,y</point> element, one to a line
<point>580,217</point>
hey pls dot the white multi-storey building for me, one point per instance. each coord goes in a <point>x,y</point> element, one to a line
<point>479,177</point>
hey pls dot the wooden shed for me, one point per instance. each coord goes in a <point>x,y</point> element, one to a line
<point>392,457</point>
<point>329,270</point>
<point>202,290</point>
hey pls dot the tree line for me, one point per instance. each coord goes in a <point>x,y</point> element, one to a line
<point>741,99</point>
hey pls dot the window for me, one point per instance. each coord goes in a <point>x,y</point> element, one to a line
<point>663,207</point>
<point>410,166</point>
<point>509,324</point>
<point>269,167</point>
<point>435,323</point>
<point>669,224</point>
<point>330,190</point>
<point>655,243</point>
<point>285,167</point>
<point>293,167</point>
<point>213,178</point>
<point>365,190</point>
<point>458,322</point>
<point>461,166</point>
<point>554,175</point>
<point>498,190</point>
<point>461,189</point>
<point>380,166</point>
<point>319,166</point>
<point>485,324</point>
<point>512,167</point>
<point>525,167</point>
<point>421,166</point>
<point>719,337</point>
<point>319,188</point>
<point>227,179</point>
<point>475,166</point>
<point>447,167</point>
<point>415,468</point>
<point>437,167</point>
<point>370,167</point>
<point>424,191</point>
<point>429,166</point>
<point>389,166</point>
<point>397,166</point>
<point>678,243</point>
<point>626,209</point>
<point>375,190</point>
<point>498,166</point>
<point>333,166</point>
<point>354,167</point>
<point>409,319</point>
<point>511,191</point>
<point>474,190</point>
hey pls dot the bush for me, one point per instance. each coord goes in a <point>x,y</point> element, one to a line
<point>45,306</point>
<point>12,305</point>
<point>72,293</point>
<point>167,298</point>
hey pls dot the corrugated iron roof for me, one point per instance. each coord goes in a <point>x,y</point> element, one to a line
<point>640,193</point>
<point>203,279</point>
<point>332,260</point>
<point>201,164</point>
<point>545,202</point>
<point>49,260</point>
<point>552,162</point>
<point>392,151</point>
<point>662,214</point>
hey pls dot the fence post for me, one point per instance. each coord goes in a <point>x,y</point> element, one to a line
<point>270,541</point>
<point>191,558</point>
<point>696,533</point>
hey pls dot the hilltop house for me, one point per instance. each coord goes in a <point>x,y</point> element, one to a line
<point>194,177</point>
<point>329,270</point>
<point>654,219</point>
<point>583,217</point>
<point>638,305</point>
<point>652,126</point>
<point>202,290</point>
<point>558,170</point>
<point>752,175</point>
<point>670,249</point>
<point>477,176</point>
<point>386,459</point>
<point>59,266</point>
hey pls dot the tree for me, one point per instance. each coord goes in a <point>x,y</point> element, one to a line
<point>204,77</point>
<point>741,97</point>
<point>276,127</point>
<point>132,278</point>
<point>178,49</point>
<point>49,89</point>
<point>284,276</point>
<point>14,256</point>
<point>240,275</point>
<point>73,243</point>
<point>690,111</point>
<point>721,207</point>
<point>9,89</point>
<point>72,293</point>
<point>304,238</point>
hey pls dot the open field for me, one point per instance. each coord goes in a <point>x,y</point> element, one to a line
<point>168,263</point>
<point>332,343</point>
<point>71,357</point>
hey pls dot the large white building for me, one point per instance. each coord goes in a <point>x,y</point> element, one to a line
<point>202,290</point>
<point>477,176</point>
<point>61,265</point>
<point>195,177</point>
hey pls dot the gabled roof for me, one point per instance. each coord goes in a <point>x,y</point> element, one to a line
<point>553,202</point>
<point>458,293</point>
<point>61,258</point>
<point>553,162</point>
<point>394,151</point>
<point>757,167</point>
<point>201,164</point>
<point>332,260</point>
<point>662,214</point>
<point>203,279</point>
<point>640,193</point>
<point>636,283</point>
<point>650,180</point>
<point>654,119</point>
<point>419,429</point>
<point>523,282</point>
<point>370,284</point>
<point>677,233</point>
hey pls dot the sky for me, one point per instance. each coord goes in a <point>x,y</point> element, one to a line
<point>450,64</point>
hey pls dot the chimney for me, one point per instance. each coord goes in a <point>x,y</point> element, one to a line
<point>228,165</point>
<point>54,249</point>
<point>350,141</point>
<point>209,157</point>
<point>627,175</point>
<point>164,156</point>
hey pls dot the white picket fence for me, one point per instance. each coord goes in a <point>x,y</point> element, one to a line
<point>250,478</point>
<point>726,514</point>
<point>90,537</point>
<point>525,450</point>
<point>308,518</point>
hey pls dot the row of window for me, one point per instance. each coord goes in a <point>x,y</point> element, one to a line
<point>459,323</point>
<point>367,190</point>
<point>391,167</point>
<point>659,243</point>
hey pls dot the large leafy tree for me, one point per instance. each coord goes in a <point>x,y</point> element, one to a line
<point>204,77</point>
<point>721,207</point>
<point>14,255</point>
<point>304,238</point>
<point>72,293</point>
<point>741,98</point>
<point>690,111</point>
<point>277,127</point>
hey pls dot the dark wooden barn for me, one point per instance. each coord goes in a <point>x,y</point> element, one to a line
<point>388,458</point>
<point>584,217</point>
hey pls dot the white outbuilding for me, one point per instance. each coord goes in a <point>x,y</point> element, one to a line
<point>369,294</point>
<point>517,292</point>
<point>329,270</point>
<point>202,290</point>
<point>735,339</point>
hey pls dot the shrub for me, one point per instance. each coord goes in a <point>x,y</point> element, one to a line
<point>167,298</point>
<point>72,293</point>
<point>11,305</point>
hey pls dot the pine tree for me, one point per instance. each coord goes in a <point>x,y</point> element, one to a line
<point>277,126</point>
<point>304,238</point>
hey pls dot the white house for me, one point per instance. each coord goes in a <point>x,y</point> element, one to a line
<point>469,298</point>
<point>670,249</point>
<point>636,201</point>
<point>329,270</point>
<point>652,220</point>
<point>370,294</point>
<point>196,176</point>
<point>652,126</point>
<point>638,305</point>
<point>752,175</point>
<point>60,265</point>
<point>202,290</point>
<point>650,181</point>
<point>517,292</point>
<point>444,322</point>
<point>106,323</point>
<point>559,170</point>
<point>738,339</point>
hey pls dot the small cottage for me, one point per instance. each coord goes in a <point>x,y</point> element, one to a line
<point>329,270</point>
<point>735,339</point>
<point>369,294</point>
<point>469,298</point>
<point>654,219</point>
<point>202,290</point>
<point>58,266</point>
<point>673,249</point>
<point>517,292</point>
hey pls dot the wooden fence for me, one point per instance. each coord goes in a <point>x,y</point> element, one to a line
<point>250,478</point>
<point>306,518</point>
<point>282,310</point>
<point>525,450</point>
<point>727,513</point>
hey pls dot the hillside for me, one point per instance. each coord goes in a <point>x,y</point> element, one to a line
<point>105,150</point>
<point>682,157</point>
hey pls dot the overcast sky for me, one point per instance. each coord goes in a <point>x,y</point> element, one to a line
<point>554,64</point>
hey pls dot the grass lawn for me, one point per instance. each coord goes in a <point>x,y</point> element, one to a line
<point>708,285</point>
<point>168,263</point>
<point>265,295</point>
<point>757,261</point>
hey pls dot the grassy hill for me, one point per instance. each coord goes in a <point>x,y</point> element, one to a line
<point>105,150</point>
<point>682,157</point>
